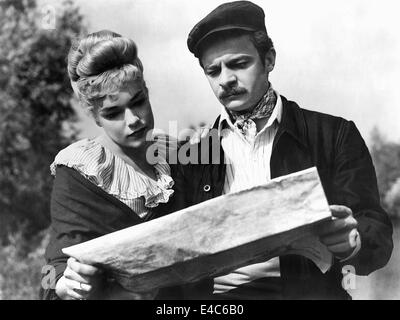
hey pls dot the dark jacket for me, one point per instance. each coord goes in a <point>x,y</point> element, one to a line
<point>81,211</point>
<point>334,145</point>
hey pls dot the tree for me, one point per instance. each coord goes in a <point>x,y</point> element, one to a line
<point>386,158</point>
<point>35,107</point>
<point>392,199</point>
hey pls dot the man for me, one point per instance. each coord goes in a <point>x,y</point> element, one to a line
<point>262,136</point>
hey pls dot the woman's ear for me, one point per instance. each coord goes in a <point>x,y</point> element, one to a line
<point>74,86</point>
<point>270,58</point>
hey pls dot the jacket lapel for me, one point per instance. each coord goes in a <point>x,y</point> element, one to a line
<point>290,150</point>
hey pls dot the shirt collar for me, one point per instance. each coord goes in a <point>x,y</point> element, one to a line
<point>225,120</point>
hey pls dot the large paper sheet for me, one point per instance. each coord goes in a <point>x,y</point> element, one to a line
<point>216,236</point>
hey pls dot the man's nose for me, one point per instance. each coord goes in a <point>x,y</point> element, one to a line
<point>227,79</point>
<point>131,118</point>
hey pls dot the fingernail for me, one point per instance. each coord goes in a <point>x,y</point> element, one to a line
<point>85,287</point>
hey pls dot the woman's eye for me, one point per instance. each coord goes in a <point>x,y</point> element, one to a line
<point>111,115</point>
<point>141,100</point>
<point>211,73</point>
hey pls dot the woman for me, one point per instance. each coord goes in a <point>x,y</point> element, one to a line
<point>107,183</point>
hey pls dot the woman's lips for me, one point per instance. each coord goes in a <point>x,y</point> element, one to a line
<point>138,133</point>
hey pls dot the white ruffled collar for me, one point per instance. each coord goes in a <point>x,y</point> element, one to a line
<point>109,172</point>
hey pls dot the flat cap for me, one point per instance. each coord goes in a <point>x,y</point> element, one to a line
<point>243,15</point>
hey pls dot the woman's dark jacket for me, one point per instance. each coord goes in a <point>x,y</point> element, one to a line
<point>335,146</point>
<point>81,211</point>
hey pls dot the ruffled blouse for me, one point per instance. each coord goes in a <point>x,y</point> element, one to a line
<point>109,172</point>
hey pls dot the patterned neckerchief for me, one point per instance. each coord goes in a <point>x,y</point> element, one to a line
<point>244,122</point>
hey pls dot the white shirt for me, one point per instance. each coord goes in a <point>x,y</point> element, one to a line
<point>248,165</point>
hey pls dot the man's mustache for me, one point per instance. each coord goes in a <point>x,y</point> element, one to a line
<point>232,92</point>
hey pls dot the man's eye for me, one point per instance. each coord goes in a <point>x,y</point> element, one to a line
<point>241,64</point>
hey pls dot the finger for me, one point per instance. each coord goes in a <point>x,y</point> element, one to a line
<point>83,269</point>
<point>340,248</point>
<point>339,211</point>
<point>74,291</point>
<point>72,275</point>
<point>205,132</point>
<point>337,226</point>
<point>78,286</point>
<point>340,237</point>
<point>195,139</point>
<point>335,238</point>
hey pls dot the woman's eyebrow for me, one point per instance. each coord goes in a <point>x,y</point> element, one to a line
<point>137,95</point>
<point>108,109</point>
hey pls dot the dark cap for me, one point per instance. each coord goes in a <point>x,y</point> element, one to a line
<point>243,15</point>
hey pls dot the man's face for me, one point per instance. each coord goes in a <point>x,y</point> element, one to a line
<point>235,72</point>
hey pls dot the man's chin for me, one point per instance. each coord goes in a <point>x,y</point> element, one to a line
<point>236,107</point>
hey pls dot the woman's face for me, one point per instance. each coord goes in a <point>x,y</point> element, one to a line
<point>127,116</point>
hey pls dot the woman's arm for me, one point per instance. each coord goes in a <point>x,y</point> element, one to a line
<point>80,211</point>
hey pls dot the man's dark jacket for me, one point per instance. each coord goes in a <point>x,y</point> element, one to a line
<point>334,145</point>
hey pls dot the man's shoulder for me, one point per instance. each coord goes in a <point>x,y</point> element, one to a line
<point>312,117</point>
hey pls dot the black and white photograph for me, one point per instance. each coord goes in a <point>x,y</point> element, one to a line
<point>175,150</point>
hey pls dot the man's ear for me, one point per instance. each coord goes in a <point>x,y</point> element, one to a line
<point>270,57</point>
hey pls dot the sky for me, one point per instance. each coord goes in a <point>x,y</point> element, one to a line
<point>338,57</point>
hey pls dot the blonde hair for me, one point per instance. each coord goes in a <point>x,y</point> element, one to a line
<point>101,64</point>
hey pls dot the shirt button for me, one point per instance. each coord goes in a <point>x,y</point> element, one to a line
<point>206,188</point>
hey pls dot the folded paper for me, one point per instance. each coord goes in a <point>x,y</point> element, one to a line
<point>216,236</point>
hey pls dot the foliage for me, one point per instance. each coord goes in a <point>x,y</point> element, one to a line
<point>21,263</point>
<point>392,199</point>
<point>35,103</point>
<point>386,158</point>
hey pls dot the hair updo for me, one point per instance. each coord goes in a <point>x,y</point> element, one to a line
<point>102,64</point>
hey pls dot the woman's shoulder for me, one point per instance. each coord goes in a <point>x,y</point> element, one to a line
<point>79,155</point>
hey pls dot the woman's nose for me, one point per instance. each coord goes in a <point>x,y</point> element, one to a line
<point>131,118</point>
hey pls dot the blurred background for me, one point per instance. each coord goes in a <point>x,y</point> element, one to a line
<point>338,57</point>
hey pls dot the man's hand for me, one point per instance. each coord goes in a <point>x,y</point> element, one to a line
<point>79,282</point>
<point>200,133</point>
<point>340,234</point>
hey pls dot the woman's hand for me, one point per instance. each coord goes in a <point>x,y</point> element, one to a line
<point>79,282</point>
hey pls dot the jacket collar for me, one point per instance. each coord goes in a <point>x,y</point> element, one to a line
<point>293,123</point>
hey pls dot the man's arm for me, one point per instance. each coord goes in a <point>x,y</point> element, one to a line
<point>355,186</point>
